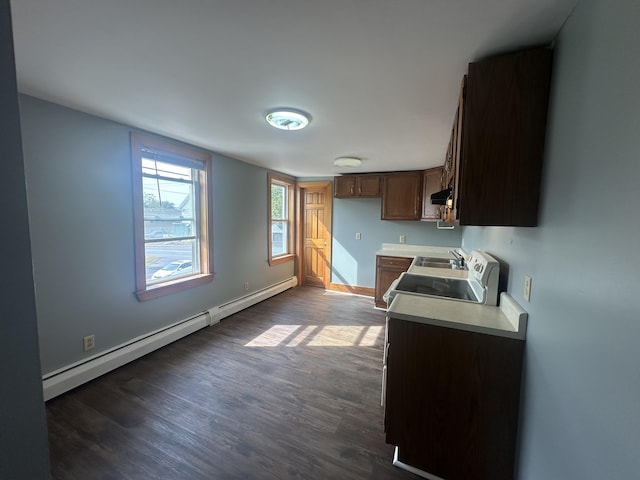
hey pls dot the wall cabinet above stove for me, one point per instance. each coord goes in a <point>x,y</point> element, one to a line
<point>432,182</point>
<point>503,110</point>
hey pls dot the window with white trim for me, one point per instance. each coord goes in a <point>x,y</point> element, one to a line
<point>281,210</point>
<point>172,216</point>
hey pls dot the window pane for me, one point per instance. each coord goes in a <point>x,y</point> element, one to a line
<point>171,259</point>
<point>281,194</point>
<point>163,169</point>
<point>279,237</point>
<point>171,212</point>
<point>279,207</point>
<point>169,208</point>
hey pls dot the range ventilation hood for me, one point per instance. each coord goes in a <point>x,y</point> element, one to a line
<point>441,197</point>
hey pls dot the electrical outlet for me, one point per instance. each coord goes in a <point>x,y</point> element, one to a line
<point>403,238</point>
<point>358,235</point>
<point>89,342</point>
<point>246,285</point>
<point>527,288</point>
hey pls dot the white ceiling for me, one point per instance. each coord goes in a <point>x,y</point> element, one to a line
<point>379,78</point>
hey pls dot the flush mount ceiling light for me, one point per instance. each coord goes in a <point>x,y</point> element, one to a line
<point>347,162</point>
<point>288,119</point>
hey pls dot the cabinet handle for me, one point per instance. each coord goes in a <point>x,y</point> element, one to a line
<point>351,189</point>
<point>359,189</point>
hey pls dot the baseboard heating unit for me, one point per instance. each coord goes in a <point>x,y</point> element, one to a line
<point>234,306</point>
<point>74,375</point>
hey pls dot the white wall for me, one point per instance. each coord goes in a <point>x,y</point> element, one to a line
<point>79,188</point>
<point>581,395</point>
<point>354,261</point>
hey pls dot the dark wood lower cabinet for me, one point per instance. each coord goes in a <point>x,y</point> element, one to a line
<point>452,400</point>
<point>387,270</point>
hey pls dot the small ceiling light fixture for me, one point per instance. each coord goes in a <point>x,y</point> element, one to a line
<point>347,162</point>
<point>288,119</point>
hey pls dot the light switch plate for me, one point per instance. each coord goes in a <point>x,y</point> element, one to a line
<point>403,238</point>
<point>527,288</point>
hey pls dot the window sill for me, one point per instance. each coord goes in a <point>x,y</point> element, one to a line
<point>168,288</point>
<point>281,259</point>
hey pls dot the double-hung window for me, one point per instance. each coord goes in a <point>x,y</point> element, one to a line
<point>171,211</point>
<point>281,209</point>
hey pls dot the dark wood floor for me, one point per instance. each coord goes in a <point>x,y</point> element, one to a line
<point>287,389</point>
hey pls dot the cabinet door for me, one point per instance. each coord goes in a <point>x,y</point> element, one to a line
<point>344,186</point>
<point>431,183</point>
<point>504,134</point>
<point>452,163</point>
<point>387,270</point>
<point>368,186</point>
<point>402,196</point>
<point>452,400</point>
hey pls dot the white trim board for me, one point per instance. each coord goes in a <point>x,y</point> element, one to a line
<point>414,470</point>
<point>75,374</point>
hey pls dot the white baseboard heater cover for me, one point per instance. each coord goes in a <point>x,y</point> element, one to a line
<point>74,375</point>
<point>234,306</point>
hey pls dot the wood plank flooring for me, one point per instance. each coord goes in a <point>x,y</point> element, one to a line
<point>286,389</point>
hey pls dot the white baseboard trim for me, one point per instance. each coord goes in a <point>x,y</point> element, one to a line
<point>234,306</point>
<point>64,379</point>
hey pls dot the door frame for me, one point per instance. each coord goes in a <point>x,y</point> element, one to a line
<point>300,189</point>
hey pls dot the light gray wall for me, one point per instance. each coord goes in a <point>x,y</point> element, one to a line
<point>581,389</point>
<point>78,171</point>
<point>23,447</point>
<point>354,261</point>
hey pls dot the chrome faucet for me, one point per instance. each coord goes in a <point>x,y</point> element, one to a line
<point>457,261</point>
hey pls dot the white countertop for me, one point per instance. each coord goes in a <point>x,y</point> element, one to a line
<point>404,250</point>
<point>412,251</point>
<point>508,320</point>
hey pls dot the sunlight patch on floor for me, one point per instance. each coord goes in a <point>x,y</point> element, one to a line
<point>318,336</point>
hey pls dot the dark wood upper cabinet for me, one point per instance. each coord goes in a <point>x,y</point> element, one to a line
<point>352,186</point>
<point>402,196</point>
<point>432,182</point>
<point>502,139</point>
<point>453,161</point>
<point>344,186</point>
<point>369,186</point>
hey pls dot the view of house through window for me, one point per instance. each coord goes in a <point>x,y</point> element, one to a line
<point>171,215</point>
<point>281,190</point>
<point>170,223</point>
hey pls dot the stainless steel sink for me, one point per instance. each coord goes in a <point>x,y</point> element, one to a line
<point>433,262</point>
<point>436,287</point>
